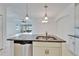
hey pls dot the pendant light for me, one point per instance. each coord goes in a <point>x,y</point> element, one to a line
<point>45,19</point>
<point>27,16</point>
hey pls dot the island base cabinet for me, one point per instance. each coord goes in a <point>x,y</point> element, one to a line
<point>45,50</point>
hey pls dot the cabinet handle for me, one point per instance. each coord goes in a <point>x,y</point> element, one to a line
<point>46,51</point>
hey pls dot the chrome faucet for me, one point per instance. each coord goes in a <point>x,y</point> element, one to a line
<point>46,35</point>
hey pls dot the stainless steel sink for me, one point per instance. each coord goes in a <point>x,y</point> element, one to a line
<point>46,37</point>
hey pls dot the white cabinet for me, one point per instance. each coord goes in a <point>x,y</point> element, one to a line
<point>66,51</point>
<point>77,46</point>
<point>47,49</point>
<point>71,44</point>
<point>10,48</point>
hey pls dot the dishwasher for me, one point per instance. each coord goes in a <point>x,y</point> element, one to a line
<point>22,48</point>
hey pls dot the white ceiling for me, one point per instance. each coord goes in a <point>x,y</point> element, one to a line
<point>36,10</point>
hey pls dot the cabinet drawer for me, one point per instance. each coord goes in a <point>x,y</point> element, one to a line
<point>47,44</point>
<point>46,51</point>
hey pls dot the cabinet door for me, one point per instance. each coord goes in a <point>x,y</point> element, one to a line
<point>77,46</point>
<point>10,48</point>
<point>53,51</point>
<point>71,44</point>
<point>38,51</point>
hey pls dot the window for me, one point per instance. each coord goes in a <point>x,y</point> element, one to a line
<point>26,26</point>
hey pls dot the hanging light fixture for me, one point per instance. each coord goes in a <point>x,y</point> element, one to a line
<point>45,19</point>
<point>27,16</point>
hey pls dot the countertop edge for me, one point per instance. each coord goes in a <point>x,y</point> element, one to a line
<point>39,40</point>
<point>75,36</point>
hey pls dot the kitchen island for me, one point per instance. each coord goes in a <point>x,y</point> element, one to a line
<point>40,47</point>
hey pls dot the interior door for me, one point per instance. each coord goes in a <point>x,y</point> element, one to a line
<point>1,31</point>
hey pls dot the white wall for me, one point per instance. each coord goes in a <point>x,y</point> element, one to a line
<point>65,25</point>
<point>11,23</point>
<point>40,28</point>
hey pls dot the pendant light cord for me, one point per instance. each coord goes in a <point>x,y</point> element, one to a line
<point>27,9</point>
<point>45,9</point>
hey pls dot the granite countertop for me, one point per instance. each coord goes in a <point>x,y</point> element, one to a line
<point>75,36</point>
<point>33,38</point>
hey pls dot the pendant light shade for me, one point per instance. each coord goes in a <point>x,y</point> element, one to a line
<point>45,19</point>
<point>27,16</point>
